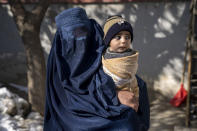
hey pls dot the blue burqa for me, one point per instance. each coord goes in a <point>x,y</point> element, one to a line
<point>79,95</point>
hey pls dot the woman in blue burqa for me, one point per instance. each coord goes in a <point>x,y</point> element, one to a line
<point>79,95</point>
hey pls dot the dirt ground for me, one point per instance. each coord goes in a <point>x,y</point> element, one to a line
<point>165,117</point>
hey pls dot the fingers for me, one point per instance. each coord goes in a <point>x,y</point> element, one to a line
<point>134,106</point>
<point>136,99</point>
<point>134,103</point>
<point>129,99</point>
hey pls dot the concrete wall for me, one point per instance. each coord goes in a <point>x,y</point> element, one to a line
<point>159,34</point>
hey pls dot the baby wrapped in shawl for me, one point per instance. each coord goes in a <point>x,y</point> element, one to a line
<point>119,60</point>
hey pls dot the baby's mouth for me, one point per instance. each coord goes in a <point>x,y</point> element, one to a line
<point>122,48</point>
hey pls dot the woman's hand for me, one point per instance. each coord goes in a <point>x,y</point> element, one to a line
<point>128,98</point>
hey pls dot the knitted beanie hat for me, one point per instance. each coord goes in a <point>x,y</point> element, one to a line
<point>115,24</point>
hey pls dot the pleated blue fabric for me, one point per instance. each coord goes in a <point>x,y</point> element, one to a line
<point>79,95</point>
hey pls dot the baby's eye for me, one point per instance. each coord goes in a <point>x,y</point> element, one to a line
<point>127,37</point>
<point>117,37</point>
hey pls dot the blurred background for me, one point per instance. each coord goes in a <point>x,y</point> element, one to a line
<point>160,32</point>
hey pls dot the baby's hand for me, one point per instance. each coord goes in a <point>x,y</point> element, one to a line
<point>128,98</point>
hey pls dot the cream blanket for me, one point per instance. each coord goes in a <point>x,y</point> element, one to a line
<point>123,70</point>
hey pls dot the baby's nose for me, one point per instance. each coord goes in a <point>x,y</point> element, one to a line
<point>123,39</point>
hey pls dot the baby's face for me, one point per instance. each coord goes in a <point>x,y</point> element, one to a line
<point>120,42</point>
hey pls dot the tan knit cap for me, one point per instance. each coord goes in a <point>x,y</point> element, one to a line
<point>111,21</point>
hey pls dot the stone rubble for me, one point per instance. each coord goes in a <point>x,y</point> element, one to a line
<point>16,115</point>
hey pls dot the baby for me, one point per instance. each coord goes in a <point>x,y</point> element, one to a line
<point>119,60</point>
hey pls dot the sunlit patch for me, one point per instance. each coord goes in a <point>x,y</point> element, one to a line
<point>162,54</point>
<point>151,13</point>
<point>8,9</point>
<point>133,18</point>
<point>169,79</point>
<point>165,25</point>
<point>44,42</point>
<point>169,16</point>
<point>159,35</point>
<point>180,9</point>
